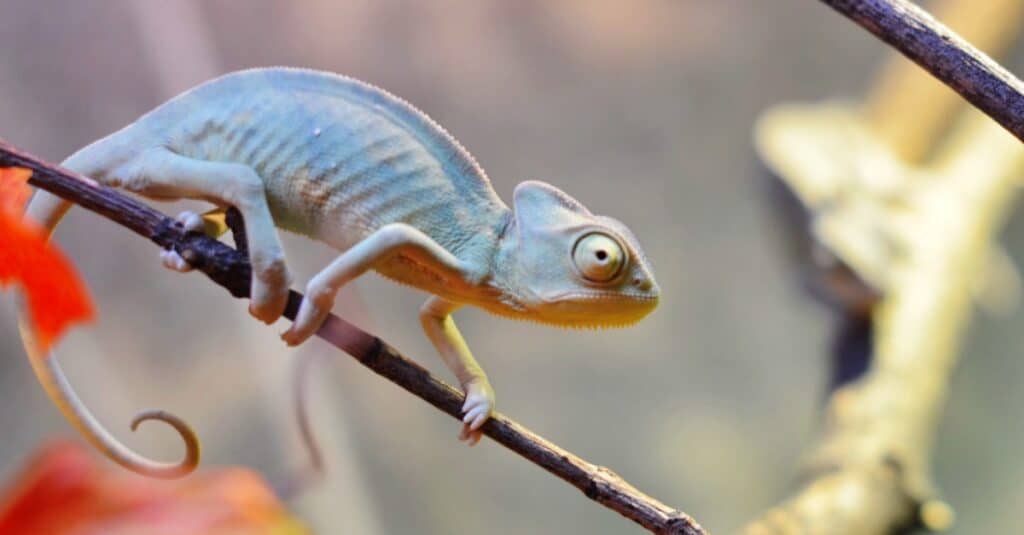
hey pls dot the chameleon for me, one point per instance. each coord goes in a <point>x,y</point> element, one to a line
<point>363,171</point>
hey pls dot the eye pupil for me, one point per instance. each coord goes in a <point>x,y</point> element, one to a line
<point>601,255</point>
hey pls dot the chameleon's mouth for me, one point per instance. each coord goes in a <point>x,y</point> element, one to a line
<point>596,309</point>
<point>597,295</point>
<point>583,310</point>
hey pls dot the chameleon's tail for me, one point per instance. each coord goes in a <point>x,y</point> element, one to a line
<point>47,210</point>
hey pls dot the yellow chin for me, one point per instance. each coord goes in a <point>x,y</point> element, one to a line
<point>588,315</point>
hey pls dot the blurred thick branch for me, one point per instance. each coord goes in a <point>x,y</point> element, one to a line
<point>937,226</point>
<point>870,472</point>
<point>230,269</point>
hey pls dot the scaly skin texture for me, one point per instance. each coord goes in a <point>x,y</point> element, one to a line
<point>365,172</point>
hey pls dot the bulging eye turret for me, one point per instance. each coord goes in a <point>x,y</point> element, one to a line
<point>598,257</point>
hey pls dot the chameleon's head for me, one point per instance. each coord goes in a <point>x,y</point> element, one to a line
<point>562,265</point>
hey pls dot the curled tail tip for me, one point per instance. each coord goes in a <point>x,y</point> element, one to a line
<point>47,210</point>
<point>193,447</point>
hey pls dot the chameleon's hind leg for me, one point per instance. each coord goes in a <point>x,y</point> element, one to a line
<point>162,173</point>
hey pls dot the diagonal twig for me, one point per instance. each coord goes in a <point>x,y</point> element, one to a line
<point>970,72</point>
<point>230,269</point>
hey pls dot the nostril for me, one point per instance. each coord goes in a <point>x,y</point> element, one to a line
<point>642,283</point>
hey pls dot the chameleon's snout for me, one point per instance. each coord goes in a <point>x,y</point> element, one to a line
<point>641,285</point>
<point>645,292</point>
<point>647,286</point>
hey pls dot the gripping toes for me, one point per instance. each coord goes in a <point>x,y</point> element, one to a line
<point>316,305</point>
<point>174,262</point>
<point>479,406</point>
<point>191,222</point>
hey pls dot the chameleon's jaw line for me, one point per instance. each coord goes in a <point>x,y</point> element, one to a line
<point>595,323</point>
<point>603,296</point>
<point>595,310</point>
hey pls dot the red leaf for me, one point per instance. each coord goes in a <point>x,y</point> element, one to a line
<point>56,296</point>
<point>14,190</point>
<point>65,491</point>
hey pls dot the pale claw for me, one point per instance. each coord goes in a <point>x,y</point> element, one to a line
<point>192,221</point>
<point>479,406</point>
<point>174,262</point>
<point>471,438</point>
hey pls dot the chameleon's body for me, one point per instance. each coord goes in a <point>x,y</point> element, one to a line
<point>339,158</point>
<point>355,167</point>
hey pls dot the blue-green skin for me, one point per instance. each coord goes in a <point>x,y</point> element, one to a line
<point>340,158</point>
<point>362,170</point>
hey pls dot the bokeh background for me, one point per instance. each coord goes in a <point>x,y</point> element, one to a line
<point>642,110</point>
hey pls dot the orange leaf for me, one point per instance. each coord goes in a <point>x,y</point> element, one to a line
<point>66,491</point>
<point>14,190</point>
<point>56,296</point>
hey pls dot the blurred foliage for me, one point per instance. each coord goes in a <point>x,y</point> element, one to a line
<point>66,490</point>
<point>55,294</point>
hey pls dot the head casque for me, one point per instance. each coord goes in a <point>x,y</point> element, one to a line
<point>560,264</point>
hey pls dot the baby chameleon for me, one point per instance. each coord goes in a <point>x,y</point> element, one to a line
<point>353,166</point>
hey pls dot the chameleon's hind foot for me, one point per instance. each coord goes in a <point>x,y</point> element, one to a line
<point>192,222</point>
<point>477,409</point>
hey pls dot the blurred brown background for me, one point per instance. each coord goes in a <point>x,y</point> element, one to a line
<point>643,111</point>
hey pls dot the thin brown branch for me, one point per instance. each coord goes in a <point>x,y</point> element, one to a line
<point>230,269</point>
<point>955,62</point>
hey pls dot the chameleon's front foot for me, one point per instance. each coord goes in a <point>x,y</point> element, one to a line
<point>478,407</point>
<point>316,305</point>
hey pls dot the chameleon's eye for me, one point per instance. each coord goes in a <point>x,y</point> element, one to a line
<point>598,257</point>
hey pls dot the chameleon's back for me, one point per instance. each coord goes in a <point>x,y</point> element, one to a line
<point>339,157</point>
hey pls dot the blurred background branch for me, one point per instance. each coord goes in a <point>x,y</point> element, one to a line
<point>921,237</point>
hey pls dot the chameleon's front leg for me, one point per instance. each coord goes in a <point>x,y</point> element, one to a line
<point>389,240</point>
<point>435,315</point>
<point>436,318</point>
